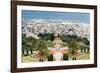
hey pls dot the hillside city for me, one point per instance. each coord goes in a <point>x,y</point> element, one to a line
<point>36,26</point>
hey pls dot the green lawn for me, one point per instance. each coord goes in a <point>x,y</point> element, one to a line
<point>25,59</point>
<point>29,59</point>
<point>84,56</point>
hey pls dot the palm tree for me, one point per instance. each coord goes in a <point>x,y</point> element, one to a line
<point>74,47</point>
<point>42,48</point>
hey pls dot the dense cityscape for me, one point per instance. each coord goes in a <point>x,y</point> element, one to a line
<point>33,27</point>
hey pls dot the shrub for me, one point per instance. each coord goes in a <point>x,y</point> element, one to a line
<point>65,57</point>
<point>50,57</point>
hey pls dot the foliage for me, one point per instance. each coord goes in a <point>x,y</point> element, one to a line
<point>65,56</point>
<point>47,36</point>
<point>41,46</point>
<point>28,44</point>
<point>68,38</point>
<point>50,57</point>
<point>74,46</point>
<point>86,41</point>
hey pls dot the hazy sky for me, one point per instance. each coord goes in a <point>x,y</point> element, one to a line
<point>73,16</point>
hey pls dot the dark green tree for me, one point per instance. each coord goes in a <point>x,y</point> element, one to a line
<point>50,57</point>
<point>28,44</point>
<point>65,56</point>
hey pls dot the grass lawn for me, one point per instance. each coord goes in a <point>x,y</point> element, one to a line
<point>84,56</point>
<point>26,59</point>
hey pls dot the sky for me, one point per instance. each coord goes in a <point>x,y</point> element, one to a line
<point>48,15</point>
